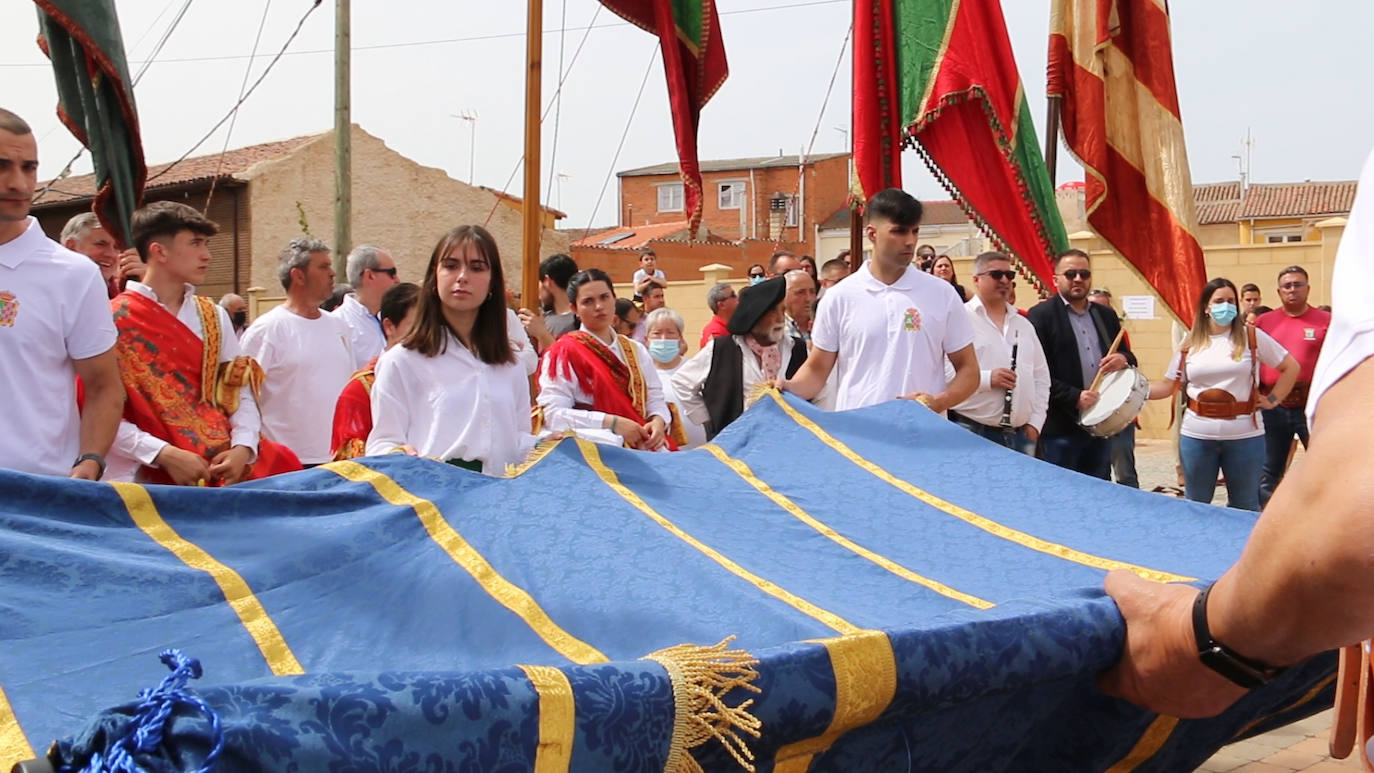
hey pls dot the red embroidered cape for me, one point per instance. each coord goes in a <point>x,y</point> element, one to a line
<point>177,390</point>
<point>353,414</point>
<point>616,388</point>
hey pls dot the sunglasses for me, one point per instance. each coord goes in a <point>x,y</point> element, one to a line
<point>1077,273</point>
<point>391,272</point>
<point>753,275</point>
<point>1000,275</point>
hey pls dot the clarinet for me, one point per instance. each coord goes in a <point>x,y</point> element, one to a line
<point>1006,401</point>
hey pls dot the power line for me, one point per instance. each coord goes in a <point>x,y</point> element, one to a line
<point>628,123</point>
<point>468,39</point>
<point>219,165</point>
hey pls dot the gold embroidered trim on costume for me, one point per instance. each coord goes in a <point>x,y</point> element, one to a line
<point>834,621</point>
<point>236,591</point>
<point>557,718</point>
<point>973,519</point>
<point>741,469</point>
<point>701,678</point>
<point>505,592</point>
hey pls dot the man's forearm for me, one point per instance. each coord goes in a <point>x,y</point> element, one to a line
<point>100,416</point>
<point>1303,583</point>
<point>964,384</point>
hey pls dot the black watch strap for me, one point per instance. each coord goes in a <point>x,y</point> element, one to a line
<point>1246,672</point>
<point>99,462</point>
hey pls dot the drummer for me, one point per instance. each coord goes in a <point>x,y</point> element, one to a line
<point>1076,335</point>
<point>1222,426</point>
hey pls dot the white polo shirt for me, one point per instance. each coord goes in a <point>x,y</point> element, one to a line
<point>53,309</point>
<point>365,335</point>
<point>890,340</point>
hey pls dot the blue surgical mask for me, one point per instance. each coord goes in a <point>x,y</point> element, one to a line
<point>753,280</point>
<point>664,350</point>
<point>1223,313</point>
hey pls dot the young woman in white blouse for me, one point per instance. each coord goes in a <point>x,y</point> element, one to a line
<point>1222,426</point>
<point>594,379</point>
<point>453,389</point>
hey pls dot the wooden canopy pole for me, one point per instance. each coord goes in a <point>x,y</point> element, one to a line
<point>532,211</point>
<point>1052,136</point>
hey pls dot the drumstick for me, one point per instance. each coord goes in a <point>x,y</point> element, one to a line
<point>1116,343</point>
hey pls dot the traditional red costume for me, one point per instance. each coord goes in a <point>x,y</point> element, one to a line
<point>617,388</point>
<point>353,414</point>
<point>177,388</point>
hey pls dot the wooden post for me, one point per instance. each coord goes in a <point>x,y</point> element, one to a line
<point>856,240</point>
<point>1052,136</point>
<point>532,212</point>
<point>343,141</point>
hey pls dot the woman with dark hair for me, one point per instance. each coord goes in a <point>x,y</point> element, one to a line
<point>453,389</point>
<point>757,273</point>
<point>595,379</point>
<point>944,268</point>
<point>808,265</point>
<point>1222,426</point>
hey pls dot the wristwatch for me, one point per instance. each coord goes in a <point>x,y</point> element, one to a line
<point>99,463</point>
<point>1246,672</point>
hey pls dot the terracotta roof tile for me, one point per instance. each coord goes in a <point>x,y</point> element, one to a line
<point>634,237</point>
<point>193,169</point>
<point>1224,203</point>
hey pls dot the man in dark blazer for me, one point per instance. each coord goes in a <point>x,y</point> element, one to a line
<point>1075,335</point>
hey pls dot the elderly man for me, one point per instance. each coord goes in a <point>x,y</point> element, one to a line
<point>371,272</point>
<point>715,384</point>
<point>800,305</point>
<point>1013,392</point>
<point>84,234</point>
<point>237,308</point>
<point>304,353</point>
<point>55,326</point>
<point>721,300</point>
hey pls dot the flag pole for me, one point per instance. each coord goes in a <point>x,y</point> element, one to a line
<point>1052,136</point>
<point>531,211</point>
<point>343,145</point>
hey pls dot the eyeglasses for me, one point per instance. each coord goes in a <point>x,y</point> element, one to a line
<point>391,272</point>
<point>999,274</point>
<point>1292,285</point>
<point>1077,273</point>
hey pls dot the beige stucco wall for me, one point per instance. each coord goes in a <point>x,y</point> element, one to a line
<point>397,204</point>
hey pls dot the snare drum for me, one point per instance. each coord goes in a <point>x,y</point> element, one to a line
<point>1121,396</point>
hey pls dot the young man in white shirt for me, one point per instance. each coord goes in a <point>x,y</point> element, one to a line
<point>55,326</point>
<point>888,328</point>
<point>371,272</point>
<point>191,418</point>
<point>305,354</point>
<point>998,330</point>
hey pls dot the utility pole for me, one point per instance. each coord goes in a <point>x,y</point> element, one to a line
<point>470,118</point>
<point>532,212</point>
<point>343,144</point>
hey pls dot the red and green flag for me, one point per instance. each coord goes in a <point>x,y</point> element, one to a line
<point>694,64</point>
<point>939,75</point>
<point>95,101</point>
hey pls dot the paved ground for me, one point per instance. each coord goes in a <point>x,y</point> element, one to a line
<point>1301,746</point>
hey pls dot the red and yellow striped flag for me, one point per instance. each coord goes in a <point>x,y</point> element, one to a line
<point>1112,64</point>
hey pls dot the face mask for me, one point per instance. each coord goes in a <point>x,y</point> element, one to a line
<point>753,280</point>
<point>1222,313</point>
<point>663,350</point>
<point>240,318</point>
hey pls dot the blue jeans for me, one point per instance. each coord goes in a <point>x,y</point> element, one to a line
<point>1239,460</point>
<point>1280,426</point>
<point>1016,441</point>
<point>1123,457</point>
<point>1080,452</point>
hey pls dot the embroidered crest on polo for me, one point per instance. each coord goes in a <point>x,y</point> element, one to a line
<point>911,320</point>
<point>1309,334</point>
<point>9,309</point>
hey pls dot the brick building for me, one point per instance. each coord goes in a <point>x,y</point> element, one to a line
<point>265,195</point>
<point>767,198</point>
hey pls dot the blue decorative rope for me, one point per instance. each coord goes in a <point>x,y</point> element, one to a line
<point>144,735</point>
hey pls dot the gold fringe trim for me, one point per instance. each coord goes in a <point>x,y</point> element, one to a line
<point>701,677</point>
<point>757,392</point>
<point>536,455</point>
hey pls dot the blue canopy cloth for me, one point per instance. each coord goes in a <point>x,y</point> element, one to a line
<point>902,595</point>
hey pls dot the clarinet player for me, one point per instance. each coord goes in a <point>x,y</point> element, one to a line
<point>1014,379</point>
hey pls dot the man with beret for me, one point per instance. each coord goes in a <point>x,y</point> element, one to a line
<point>716,383</point>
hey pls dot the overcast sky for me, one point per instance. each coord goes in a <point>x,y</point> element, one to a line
<point>1295,75</point>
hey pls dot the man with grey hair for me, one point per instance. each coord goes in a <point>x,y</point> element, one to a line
<point>237,308</point>
<point>1013,394</point>
<point>721,300</point>
<point>800,305</point>
<point>304,352</point>
<point>55,327</point>
<point>84,234</point>
<point>371,272</point>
